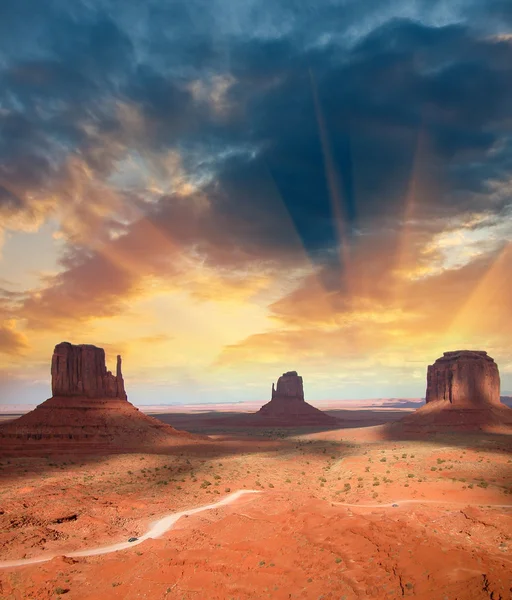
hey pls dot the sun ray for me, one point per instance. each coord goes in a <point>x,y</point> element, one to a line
<point>335,194</point>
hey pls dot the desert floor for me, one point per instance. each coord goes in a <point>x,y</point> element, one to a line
<point>322,527</point>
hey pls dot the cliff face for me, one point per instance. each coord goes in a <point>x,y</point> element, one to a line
<point>465,379</point>
<point>81,371</point>
<point>289,385</point>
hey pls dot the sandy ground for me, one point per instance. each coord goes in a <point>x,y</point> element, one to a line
<point>299,538</point>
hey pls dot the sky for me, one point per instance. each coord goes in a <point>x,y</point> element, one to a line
<point>221,191</point>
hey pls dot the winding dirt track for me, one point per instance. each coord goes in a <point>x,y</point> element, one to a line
<point>415,501</point>
<point>159,527</point>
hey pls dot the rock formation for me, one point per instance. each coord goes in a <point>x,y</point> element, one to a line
<point>289,385</point>
<point>465,379</point>
<point>88,412</point>
<point>81,371</point>
<point>288,407</point>
<point>463,394</point>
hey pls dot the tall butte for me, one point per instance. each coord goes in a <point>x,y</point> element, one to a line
<point>88,411</point>
<point>288,407</point>
<point>81,371</point>
<point>463,393</point>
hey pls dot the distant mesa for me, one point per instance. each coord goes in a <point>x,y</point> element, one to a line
<point>288,407</point>
<point>89,410</point>
<point>463,393</point>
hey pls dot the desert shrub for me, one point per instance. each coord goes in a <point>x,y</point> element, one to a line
<point>227,490</point>
<point>270,485</point>
<point>410,475</point>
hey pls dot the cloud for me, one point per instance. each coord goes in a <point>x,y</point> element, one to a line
<point>12,342</point>
<point>336,155</point>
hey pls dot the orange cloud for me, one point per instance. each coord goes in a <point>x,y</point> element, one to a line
<point>12,342</point>
<point>321,323</point>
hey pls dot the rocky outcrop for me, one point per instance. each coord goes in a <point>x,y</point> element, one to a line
<point>288,407</point>
<point>81,371</point>
<point>463,394</point>
<point>464,379</point>
<point>289,385</point>
<point>88,412</point>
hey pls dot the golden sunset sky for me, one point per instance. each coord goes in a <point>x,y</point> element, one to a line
<point>221,192</point>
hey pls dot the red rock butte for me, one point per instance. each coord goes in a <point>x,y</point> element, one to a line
<point>288,407</point>
<point>81,371</point>
<point>465,379</point>
<point>463,393</point>
<point>88,411</point>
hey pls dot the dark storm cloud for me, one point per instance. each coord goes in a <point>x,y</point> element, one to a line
<point>338,121</point>
<point>403,82</point>
<point>46,98</point>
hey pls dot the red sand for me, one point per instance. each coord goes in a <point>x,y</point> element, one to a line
<point>292,541</point>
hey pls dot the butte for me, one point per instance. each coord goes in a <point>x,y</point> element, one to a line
<point>88,411</point>
<point>287,406</point>
<point>463,394</point>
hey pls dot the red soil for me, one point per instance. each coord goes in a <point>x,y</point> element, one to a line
<point>292,541</point>
<point>442,416</point>
<point>79,424</point>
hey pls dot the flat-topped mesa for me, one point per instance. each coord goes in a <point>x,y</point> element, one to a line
<point>465,379</point>
<point>289,385</point>
<point>80,370</point>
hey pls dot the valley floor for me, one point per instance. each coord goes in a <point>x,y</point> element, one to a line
<point>322,527</point>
